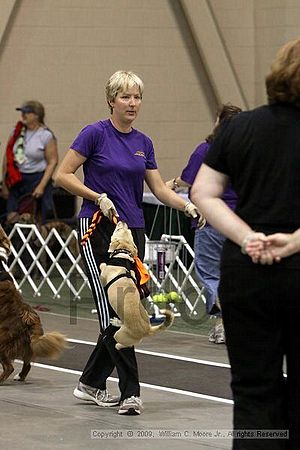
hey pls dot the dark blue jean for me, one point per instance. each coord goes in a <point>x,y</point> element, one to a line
<point>26,186</point>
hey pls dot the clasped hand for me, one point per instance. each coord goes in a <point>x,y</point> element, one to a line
<point>269,249</point>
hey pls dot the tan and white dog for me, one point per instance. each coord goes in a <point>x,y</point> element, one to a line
<point>123,294</point>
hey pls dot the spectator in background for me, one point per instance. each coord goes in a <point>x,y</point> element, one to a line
<point>30,160</point>
<point>208,241</point>
<point>259,151</point>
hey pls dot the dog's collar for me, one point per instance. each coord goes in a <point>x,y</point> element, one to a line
<point>122,250</point>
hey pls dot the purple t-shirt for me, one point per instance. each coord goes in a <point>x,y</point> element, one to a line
<point>116,164</point>
<point>190,171</point>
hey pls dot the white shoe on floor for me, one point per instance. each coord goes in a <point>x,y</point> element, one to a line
<point>131,406</point>
<point>101,397</point>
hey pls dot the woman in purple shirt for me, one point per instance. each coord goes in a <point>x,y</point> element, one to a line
<point>116,160</point>
<point>208,242</point>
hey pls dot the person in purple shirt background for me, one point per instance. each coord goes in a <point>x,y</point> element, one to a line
<point>116,160</point>
<point>208,242</point>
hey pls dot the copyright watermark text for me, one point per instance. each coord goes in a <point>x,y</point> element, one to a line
<point>189,434</point>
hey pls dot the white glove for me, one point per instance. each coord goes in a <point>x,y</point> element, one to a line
<point>190,210</point>
<point>107,207</point>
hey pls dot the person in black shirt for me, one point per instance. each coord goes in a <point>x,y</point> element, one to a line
<point>259,151</point>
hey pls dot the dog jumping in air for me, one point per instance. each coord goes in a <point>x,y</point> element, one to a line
<point>21,332</point>
<point>118,278</point>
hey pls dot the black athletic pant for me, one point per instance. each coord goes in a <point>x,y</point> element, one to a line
<point>105,356</point>
<point>261,313</point>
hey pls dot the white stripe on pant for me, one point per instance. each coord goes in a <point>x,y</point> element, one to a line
<point>92,271</point>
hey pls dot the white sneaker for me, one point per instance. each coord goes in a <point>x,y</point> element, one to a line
<point>131,406</point>
<point>101,397</point>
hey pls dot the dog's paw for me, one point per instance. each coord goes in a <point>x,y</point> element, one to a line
<point>18,378</point>
<point>116,322</point>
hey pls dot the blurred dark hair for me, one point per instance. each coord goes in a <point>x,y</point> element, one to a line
<point>224,112</point>
<point>283,82</point>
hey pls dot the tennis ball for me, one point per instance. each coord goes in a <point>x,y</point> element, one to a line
<point>174,296</point>
<point>158,298</point>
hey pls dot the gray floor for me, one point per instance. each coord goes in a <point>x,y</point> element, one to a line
<point>43,414</point>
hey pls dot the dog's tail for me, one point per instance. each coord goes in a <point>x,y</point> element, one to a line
<point>164,325</point>
<point>49,345</point>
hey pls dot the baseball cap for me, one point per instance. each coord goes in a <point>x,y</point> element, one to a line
<point>32,106</point>
<point>26,109</point>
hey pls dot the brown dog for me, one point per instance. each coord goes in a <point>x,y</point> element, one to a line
<point>123,294</point>
<point>21,332</point>
<point>4,245</point>
<point>63,229</point>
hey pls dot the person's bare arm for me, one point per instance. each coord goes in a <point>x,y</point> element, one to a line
<point>177,184</point>
<point>5,191</point>
<point>169,197</point>
<point>66,178</point>
<point>206,193</point>
<point>51,155</point>
<point>278,245</point>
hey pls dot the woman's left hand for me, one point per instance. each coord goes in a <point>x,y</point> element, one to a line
<point>38,192</point>
<point>256,246</point>
<point>4,191</point>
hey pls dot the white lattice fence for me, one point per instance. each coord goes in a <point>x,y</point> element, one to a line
<point>36,263</point>
<point>54,263</point>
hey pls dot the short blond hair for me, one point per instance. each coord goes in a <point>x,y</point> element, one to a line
<point>119,82</point>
